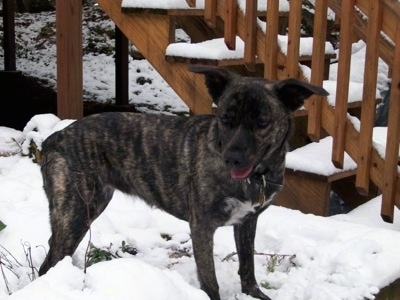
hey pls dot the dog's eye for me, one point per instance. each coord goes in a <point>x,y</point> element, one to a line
<point>225,120</point>
<point>262,122</point>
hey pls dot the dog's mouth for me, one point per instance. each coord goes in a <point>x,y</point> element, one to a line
<point>241,173</point>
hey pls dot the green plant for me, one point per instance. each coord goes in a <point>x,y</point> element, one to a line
<point>2,225</point>
<point>96,255</point>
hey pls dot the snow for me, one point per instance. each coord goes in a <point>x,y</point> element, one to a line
<point>342,257</point>
<point>316,158</point>
<point>211,49</point>
<point>182,4</point>
<point>299,256</point>
<point>160,4</point>
<point>305,47</point>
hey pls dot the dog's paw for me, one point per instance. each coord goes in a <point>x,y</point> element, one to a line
<point>256,293</point>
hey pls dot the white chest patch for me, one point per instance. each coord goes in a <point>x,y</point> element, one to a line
<point>238,210</point>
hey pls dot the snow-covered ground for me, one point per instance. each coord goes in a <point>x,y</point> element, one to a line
<point>299,256</point>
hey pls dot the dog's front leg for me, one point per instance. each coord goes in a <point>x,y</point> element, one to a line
<point>244,238</point>
<point>202,238</point>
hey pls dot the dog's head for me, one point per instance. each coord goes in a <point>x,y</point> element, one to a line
<point>254,118</point>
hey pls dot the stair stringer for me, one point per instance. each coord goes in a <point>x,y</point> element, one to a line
<point>150,34</point>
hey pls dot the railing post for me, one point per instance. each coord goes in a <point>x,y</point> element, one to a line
<point>294,38</point>
<point>390,175</point>
<point>369,100</point>
<point>210,12</point>
<point>230,24</point>
<point>342,87</point>
<point>250,42</point>
<point>317,68</point>
<point>271,41</point>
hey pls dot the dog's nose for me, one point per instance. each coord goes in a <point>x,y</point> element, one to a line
<point>234,158</point>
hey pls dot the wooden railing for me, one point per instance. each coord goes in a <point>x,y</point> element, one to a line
<point>383,24</point>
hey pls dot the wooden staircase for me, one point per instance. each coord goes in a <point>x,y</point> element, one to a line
<point>152,30</point>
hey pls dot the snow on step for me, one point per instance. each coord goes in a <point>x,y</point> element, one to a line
<point>211,49</point>
<point>316,158</point>
<point>306,45</point>
<point>182,4</point>
<point>216,49</point>
<point>355,91</point>
<point>161,4</point>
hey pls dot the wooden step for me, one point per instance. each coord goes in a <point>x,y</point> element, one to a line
<point>215,52</point>
<point>310,177</point>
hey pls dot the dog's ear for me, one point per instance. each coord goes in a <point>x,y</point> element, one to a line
<point>292,92</point>
<point>217,79</point>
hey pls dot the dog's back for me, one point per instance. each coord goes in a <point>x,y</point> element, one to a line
<point>134,153</point>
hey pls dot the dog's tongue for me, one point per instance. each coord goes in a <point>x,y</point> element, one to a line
<point>240,174</point>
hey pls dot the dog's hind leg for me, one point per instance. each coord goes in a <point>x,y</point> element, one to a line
<point>74,204</point>
<point>244,238</point>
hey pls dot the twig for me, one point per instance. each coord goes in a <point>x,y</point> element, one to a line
<point>4,276</point>
<point>9,253</point>
<point>28,256</point>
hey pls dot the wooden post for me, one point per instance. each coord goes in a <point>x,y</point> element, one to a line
<point>294,38</point>
<point>210,12</point>
<point>230,24</point>
<point>9,35</point>
<point>69,59</point>
<point>317,69</point>
<point>390,173</point>
<point>271,41</point>
<point>369,99</point>
<point>250,43</point>
<point>342,87</point>
<point>121,68</point>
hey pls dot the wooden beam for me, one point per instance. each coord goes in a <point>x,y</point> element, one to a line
<point>69,59</point>
<point>271,41</point>
<point>230,24</point>
<point>318,69</point>
<point>342,85</point>
<point>121,68</point>
<point>9,35</point>
<point>390,174</point>
<point>369,100</point>
<point>250,41</point>
<point>189,86</point>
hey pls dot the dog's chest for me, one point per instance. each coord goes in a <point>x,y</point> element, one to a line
<point>237,210</point>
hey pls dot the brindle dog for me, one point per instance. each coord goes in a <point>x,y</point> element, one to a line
<point>210,170</point>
